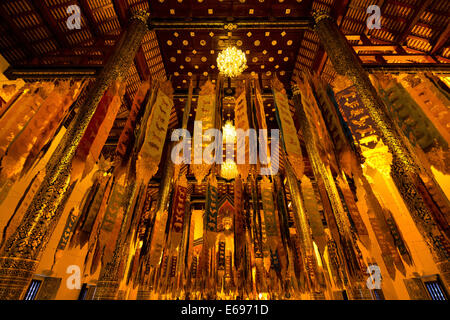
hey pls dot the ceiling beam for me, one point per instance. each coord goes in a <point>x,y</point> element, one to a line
<point>49,21</point>
<point>418,10</point>
<point>441,68</point>
<point>441,41</point>
<point>257,23</point>
<point>33,73</point>
<point>89,18</point>
<point>17,33</point>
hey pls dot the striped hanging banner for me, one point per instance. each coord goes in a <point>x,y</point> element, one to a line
<point>242,123</point>
<point>289,133</point>
<point>93,202</point>
<point>267,160</point>
<point>155,135</point>
<point>206,114</point>
<point>272,234</point>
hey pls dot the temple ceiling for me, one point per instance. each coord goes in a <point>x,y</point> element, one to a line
<point>34,34</point>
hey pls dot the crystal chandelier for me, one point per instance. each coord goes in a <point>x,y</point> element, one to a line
<point>231,62</point>
<point>228,170</point>
<point>229,132</point>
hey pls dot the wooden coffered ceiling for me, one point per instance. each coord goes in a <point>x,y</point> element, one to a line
<point>34,34</point>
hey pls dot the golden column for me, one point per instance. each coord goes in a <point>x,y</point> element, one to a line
<point>404,171</point>
<point>21,253</point>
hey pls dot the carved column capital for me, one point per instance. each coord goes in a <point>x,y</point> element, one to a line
<point>141,15</point>
<point>319,15</point>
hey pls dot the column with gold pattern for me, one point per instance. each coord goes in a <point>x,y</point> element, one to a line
<point>404,170</point>
<point>21,253</point>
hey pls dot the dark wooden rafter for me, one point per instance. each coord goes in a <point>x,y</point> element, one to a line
<point>417,13</point>
<point>89,18</point>
<point>22,42</point>
<point>49,21</point>
<point>441,41</point>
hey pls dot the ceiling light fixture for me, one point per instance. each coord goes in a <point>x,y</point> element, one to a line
<point>231,62</point>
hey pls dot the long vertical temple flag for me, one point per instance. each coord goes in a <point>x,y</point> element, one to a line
<point>242,123</point>
<point>127,138</point>
<point>149,155</point>
<point>97,131</point>
<point>290,138</point>
<point>206,115</point>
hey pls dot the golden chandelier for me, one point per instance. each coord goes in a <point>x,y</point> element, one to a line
<point>231,62</point>
<point>228,170</point>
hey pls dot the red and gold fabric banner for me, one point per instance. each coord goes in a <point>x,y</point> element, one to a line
<point>126,139</point>
<point>178,211</point>
<point>289,132</point>
<point>98,130</point>
<point>155,134</point>
<point>206,114</point>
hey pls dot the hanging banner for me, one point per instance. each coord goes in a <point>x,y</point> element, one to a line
<point>206,115</point>
<point>241,122</point>
<point>97,131</point>
<point>68,228</point>
<point>96,204</point>
<point>289,132</point>
<point>259,104</point>
<point>126,139</point>
<point>178,211</point>
<point>112,220</point>
<point>22,206</point>
<point>23,110</point>
<point>312,210</point>
<point>45,121</point>
<point>349,199</point>
<point>155,135</point>
<point>270,220</point>
<point>211,209</point>
<point>238,221</point>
